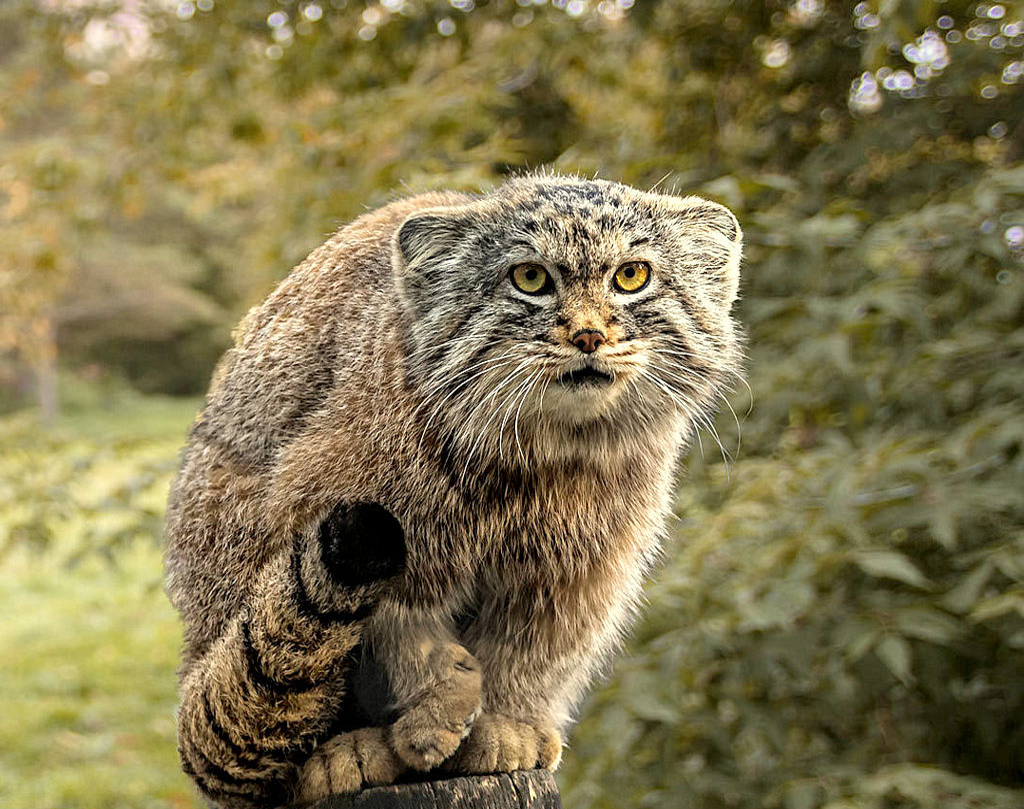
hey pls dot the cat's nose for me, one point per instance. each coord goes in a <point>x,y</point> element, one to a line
<point>588,340</point>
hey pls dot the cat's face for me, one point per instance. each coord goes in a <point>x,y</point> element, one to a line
<point>554,304</point>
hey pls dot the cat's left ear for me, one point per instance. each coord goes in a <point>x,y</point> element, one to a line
<point>704,213</point>
<point>712,234</point>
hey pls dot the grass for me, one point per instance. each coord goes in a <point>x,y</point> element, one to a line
<point>88,686</point>
<point>88,643</point>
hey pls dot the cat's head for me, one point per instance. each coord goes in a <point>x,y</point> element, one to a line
<point>556,309</point>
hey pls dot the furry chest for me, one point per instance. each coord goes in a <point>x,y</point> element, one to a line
<point>519,540</point>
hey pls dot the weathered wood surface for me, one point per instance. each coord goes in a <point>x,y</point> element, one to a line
<point>534,789</point>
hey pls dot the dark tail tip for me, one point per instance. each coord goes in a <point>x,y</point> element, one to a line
<point>362,543</point>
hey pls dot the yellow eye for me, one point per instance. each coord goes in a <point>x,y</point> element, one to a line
<point>529,278</point>
<point>632,276</point>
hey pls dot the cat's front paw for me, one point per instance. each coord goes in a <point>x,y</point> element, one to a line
<point>500,744</point>
<point>435,725</point>
<point>346,764</point>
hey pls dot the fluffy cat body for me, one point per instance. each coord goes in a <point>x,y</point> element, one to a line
<point>398,365</point>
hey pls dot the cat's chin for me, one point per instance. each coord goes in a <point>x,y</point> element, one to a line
<point>581,397</point>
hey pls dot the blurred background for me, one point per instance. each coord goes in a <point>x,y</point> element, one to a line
<point>840,620</point>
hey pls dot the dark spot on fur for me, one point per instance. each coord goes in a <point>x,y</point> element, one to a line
<point>361,543</point>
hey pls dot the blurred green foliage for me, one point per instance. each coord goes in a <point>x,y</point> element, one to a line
<point>89,642</point>
<point>840,622</point>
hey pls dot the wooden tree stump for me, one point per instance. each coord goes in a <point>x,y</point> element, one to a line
<point>533,789</point>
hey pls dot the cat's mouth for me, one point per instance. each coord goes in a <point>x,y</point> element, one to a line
<point>586,376</point>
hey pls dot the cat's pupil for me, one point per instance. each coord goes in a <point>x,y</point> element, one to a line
<point>531,275</point>
<point>630,272</point>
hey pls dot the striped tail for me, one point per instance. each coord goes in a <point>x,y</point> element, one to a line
<point>271,688</point>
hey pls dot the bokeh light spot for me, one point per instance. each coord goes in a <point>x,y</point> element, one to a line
<point>864,95</point>
<point>777,54</point>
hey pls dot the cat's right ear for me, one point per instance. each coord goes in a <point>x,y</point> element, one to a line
<point>422,247</point>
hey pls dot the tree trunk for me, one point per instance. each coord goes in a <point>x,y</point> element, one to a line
<point>46,370</point>
<point>533,789</point>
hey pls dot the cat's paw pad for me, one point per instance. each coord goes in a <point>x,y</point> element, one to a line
<point>434,727</point>
<point>501,744</point>
<point>361,543</point>
<point>346,764</point>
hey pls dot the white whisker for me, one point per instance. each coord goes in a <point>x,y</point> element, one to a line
<point>524,387</point>
<point>515,424</point>
<point>493,366</point>
<point>676,369</point>
<point>483,431</point>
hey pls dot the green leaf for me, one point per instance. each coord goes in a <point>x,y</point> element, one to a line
<point>942,524</point>
<point>928,624</point>
<point>895,653</point>
<point>780,606</point>
<point>998,606</point>
<point>963,597</point>
<point>891,565</point>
